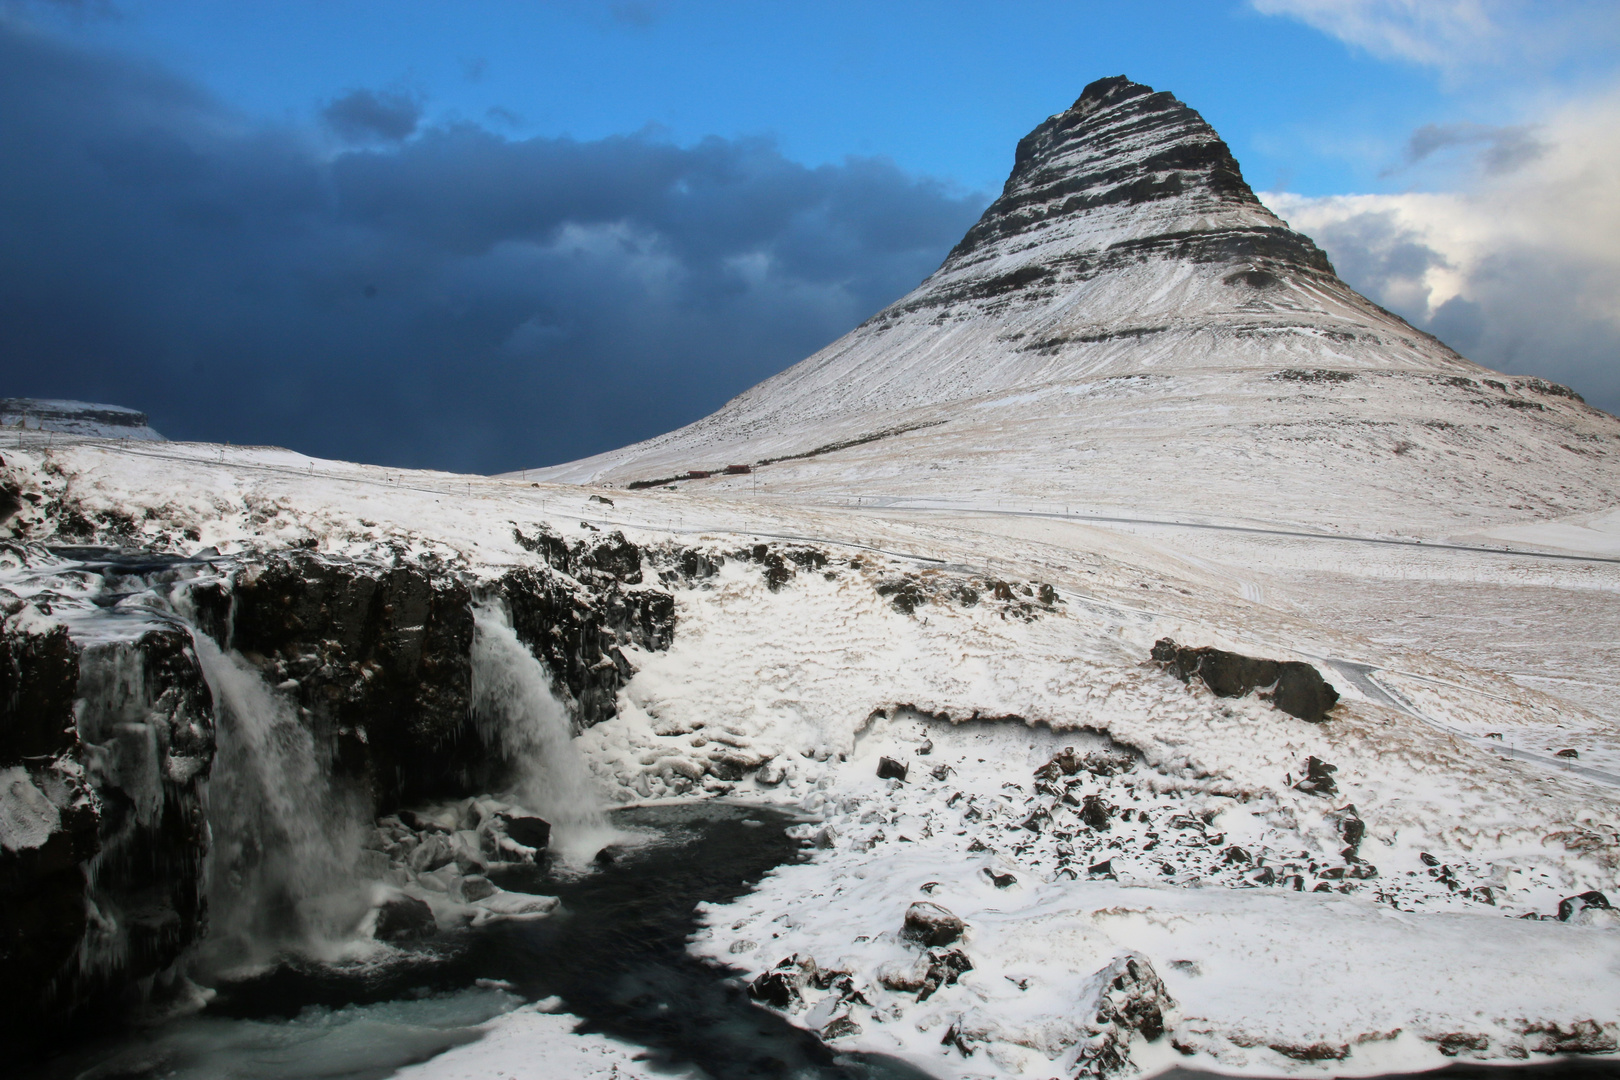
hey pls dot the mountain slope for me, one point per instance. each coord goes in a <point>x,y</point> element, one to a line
<point>1126,316</point>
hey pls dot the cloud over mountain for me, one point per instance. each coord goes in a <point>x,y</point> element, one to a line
<point>430,295</point>
<point>1518,267</point>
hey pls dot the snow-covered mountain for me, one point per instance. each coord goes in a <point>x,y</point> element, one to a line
<point>1128,319</point>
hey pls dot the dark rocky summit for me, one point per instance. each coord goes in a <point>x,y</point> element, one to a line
<point>1122,143</point>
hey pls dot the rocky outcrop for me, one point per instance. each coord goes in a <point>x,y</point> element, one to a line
<point>1293,686</point>
<point>377,658</point>
<point>104,751</point>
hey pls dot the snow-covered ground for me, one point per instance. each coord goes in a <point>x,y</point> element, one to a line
<point>1438,926</point>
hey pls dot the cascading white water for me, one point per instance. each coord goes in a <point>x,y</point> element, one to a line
<point>517,710</point>
<point>285,835</point>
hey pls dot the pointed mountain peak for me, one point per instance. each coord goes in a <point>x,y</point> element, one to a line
<point>1120,161</point>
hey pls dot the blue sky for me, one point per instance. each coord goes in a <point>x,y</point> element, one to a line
<point>499,234</point>
<point>942,88</point>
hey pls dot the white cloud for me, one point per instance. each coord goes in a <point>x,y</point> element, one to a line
<point>1519,269</point>
<point>1458,36</point>
<point>1430,32</point>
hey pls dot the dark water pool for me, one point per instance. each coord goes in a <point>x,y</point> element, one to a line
<point>615,954</point>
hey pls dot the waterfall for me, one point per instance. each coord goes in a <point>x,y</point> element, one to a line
<point>285,835</point>
<point>516,710</point>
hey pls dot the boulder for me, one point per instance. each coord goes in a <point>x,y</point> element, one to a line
<point>1318,778</point>
<point>476,887</point>
<point>1296,688</point>
<point>1571,905</point>
<point>930,925</point>
<point>925,974</point>
<point>404,918</point>
<point>890,769</point>
<point>782,987</point>
<point>1095,812</point>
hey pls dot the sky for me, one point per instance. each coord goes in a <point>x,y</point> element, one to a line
<point>494,235</point>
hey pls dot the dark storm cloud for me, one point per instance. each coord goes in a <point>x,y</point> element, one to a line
<point>367,115</point>
<point>455,299</point>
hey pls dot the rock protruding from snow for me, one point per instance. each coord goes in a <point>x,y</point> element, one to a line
<point>1124,1001</point>
<point>931,925</point>
<point>1296,687</point>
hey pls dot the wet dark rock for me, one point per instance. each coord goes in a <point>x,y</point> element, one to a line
<point>890,769</point>
<point>380,655</point>
<point>1296,688</point>
<point>697,565</point>
<point>404,918</point>
<point>782,987</point>
<point>931,925</point>
<point>613,554</point>
<point>1236,855</point>
<point>1104,869</point>
<point>605,857</point>
<point>578,629</point>
<point>1568,906</point>
<point>1318,778</point>
<point>531,832</point>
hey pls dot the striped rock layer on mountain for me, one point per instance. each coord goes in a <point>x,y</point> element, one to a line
<point>1128,319</point>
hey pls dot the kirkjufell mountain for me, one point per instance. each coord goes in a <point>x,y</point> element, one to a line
<point>1132,649</point>
<point>1126,320</point>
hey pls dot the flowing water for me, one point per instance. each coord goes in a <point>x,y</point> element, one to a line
<point>517,710</point>
<point>285,837</point>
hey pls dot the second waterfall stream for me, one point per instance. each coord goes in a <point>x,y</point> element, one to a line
<point>516,709</point>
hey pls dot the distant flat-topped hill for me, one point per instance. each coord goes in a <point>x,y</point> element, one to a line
<point>1127,325</point>
<point>76,418</point>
